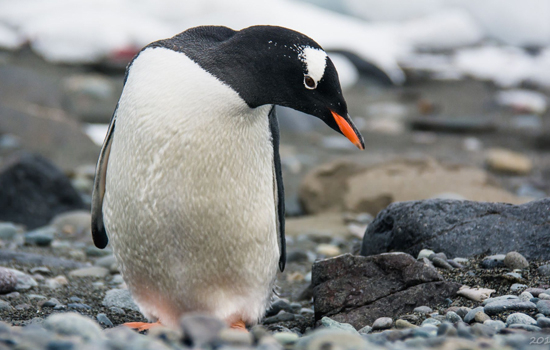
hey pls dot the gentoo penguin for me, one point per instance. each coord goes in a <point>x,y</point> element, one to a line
<point>188,185</point>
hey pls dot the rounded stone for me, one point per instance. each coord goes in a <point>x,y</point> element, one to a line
<point>73,324</point>
<point>402,324</point>
<point>328,250</point>
<point>544,270</point>
<point>423,310</point>
<point>519,318</point>
<point>329,323</point>
<point>41,237</point>
<point>543,322</point>
<point>515,260</point>
<point>382,323</point>
<point>431,321</point>
<point>525,296</point>
<point>496,325</point>
<point>8,280</point>
<point>452,317</point>
<point>481,317</point>
<point>8,230</point>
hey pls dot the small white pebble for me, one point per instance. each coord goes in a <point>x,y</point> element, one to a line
<point>328,250</point>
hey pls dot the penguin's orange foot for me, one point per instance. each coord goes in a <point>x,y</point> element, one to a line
<point>141,326</point>
<point>239,325</point>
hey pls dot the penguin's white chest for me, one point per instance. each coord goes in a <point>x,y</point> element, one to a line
<point>189,202</point>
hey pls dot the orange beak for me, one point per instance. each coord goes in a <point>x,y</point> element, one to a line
<point>349,131</point>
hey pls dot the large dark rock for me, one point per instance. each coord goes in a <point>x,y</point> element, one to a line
<point>461,228</point>
<point>358,289</point>
<point>33,191</point>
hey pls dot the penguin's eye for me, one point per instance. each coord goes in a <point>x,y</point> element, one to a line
<point>309,82</point>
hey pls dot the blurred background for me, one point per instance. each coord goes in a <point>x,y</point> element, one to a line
<point>450,95</point>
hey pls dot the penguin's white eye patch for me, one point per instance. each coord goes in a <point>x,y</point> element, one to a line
<point>315,62</point>
<point>309,82</point>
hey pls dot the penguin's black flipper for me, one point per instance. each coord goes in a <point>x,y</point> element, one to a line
<point>99,234</point>
<point>278,187</point>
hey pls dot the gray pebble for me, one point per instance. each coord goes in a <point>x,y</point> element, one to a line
<point>526,327</point>
<point>455,264</point>
<point>282,316</point>
<point>425,253</point>
<point>23,307</point>
<point>8,280</point>
<point>496,325</point>
<point>12,295</point>
<point>515,260</point>
<point>470,316</point>
<point>53,302</point>
<point>104,320</point>
<point>481,317</point>
<point>544,296</point>
<point>329,323</point>
<point>199,330</point>
<point>464,331</point>
<point>402,324</point>
<point>93,251</point>
<point>277,306</point>
<point>233,337</point>
<point>543,306</point>
<point>500,298</point>
<point>481,330</point>
<point>446,329</point>
<point>120,298</point>
<point>497,307</point>
<point>41,237</point>
<point>79,306</point>
<point>423,310</point>
<point>365,330</point>
<point>24,281</point>
<point>463,311</point>
<point>117,311</point>
<point>35,296</point>
<point>297,256</point>
<point>544,270</point>
<point>525,296</point>
<point>8,230</point>
<point>519,318</point>
<point>60,307</point>
<point>493,261</point>
<point>73,324</point>
<point>438,255</point>
<point>452,317</point>
<point>286,338</point>
<point>431,321</point>
<point>426,331</point>
<point>516,287</point>
<point>441,263</point>
<point>5,305</point>
<point>382,323</point>
<point>535,291</point>
<point>543,322</point>
<point>306,311</point>
<point>92,271</point>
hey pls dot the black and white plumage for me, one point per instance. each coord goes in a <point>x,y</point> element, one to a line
<point>188,186</point>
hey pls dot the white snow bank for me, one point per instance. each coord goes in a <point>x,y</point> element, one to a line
<point>9,38</point>
<point>526,100</point>
<point>442,30</point>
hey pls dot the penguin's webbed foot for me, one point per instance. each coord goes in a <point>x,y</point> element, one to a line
<point>141,326</point>
<point>239,325</point>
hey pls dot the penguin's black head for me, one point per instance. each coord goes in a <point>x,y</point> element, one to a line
<point>271,65</point>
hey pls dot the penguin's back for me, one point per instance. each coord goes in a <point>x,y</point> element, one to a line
<point>189,203</point>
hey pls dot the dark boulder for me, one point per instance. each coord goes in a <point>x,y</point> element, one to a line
<point>33,191</point>
<point>358,290</point>
<point>461,228</point>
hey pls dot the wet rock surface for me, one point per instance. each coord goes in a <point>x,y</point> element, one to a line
<point>34,190</point>
<point>358,290</point>
<point>461,228</point>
